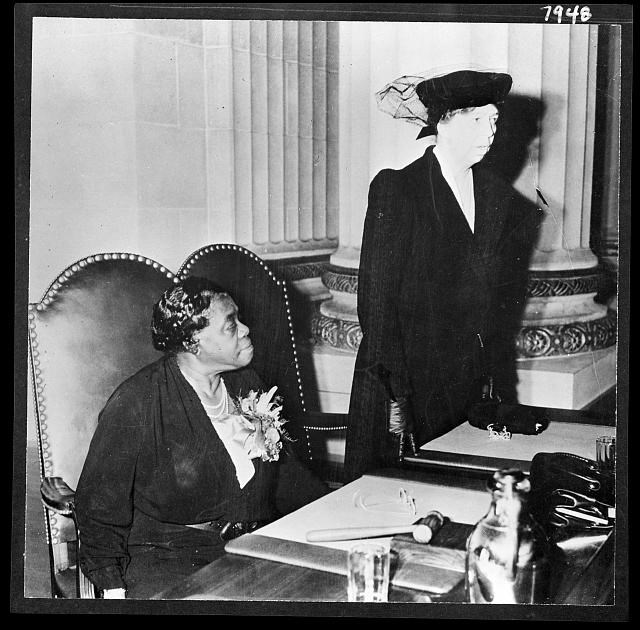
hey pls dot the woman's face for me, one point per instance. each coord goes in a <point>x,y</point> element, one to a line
<point>468,134</point>
<point>224,343</point>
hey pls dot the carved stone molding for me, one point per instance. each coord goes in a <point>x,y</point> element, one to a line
<point>538,285</point>
<point>531,341</point>
<point>555,285</point>
<point>566,339</point>
<point>292,271</point>
<point>340,279</point>
<point>338,333</point>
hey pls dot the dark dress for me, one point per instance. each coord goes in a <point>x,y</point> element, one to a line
<point>431,293</point>
<point>156,464</point>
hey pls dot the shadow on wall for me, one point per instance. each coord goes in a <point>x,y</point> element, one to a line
<point>516,145</point>
<point>517,137</point>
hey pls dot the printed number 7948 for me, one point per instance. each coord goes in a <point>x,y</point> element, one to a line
<point>584,13</point>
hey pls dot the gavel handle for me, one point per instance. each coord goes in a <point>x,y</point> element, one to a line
<point>353,533</point>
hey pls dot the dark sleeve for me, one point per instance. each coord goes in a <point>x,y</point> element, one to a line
<point>517,243</point>
<point>104,496</point>
<point>384,246</point>
<point>297,485</point>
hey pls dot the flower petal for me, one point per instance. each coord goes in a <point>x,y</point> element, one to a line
<point>262,405</point>
<point>272,434</point>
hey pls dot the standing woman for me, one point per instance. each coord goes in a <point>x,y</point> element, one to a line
<point>442,273</point>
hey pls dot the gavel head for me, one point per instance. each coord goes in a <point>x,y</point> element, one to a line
<point>426,528</point>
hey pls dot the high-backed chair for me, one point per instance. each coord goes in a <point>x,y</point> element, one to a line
<point>264,306</point>
<point>89,332</point>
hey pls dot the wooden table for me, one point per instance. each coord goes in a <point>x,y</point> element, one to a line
<point>236,577</point>
<point>469,449</point>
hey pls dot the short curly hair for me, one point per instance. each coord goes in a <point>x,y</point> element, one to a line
<point>441,114</point>
<point>181,311</point>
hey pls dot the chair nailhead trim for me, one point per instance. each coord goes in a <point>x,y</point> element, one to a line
<point>44,445</point>
<point>75,267</point>
<point>68,273</point>
<point>184,272</point>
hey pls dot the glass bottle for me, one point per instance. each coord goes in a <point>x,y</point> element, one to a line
<point>507,558</point>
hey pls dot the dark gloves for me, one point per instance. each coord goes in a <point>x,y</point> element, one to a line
<point>400,425</point>
<point>399,416</point>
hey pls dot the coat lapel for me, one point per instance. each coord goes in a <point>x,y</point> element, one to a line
<point>418,177</point>
<point>491,214</point>
<point>429,187</point>
<point>431,190</point>
<point>195,413</point>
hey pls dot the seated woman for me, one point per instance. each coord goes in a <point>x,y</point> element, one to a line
<point>174,470</point>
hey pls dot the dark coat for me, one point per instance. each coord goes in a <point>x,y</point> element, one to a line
<point>156,459</point>
<point>431,292</point>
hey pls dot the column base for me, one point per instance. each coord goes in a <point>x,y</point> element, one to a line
<point>565,347</point>
<point>570,382</point>
<point>576,338</point>
<point>567,382</point>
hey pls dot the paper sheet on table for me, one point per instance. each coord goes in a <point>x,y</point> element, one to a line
<point>369,501</point>
<point>359,504</point>
<point>566,437</point>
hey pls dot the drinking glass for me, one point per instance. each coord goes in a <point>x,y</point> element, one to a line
<point>606,452</point>
<point>368,573</point>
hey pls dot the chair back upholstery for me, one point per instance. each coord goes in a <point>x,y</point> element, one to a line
<point>90,331</point>
<point>263,306</point>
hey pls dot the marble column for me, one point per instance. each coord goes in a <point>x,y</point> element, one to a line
<point>565,346</point>
<point>567,336</point>
<point>336,322</point>
<point>605,228</point>
<point>271,94</point>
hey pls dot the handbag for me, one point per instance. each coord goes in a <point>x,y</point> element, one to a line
<point>508,418</point>
<point>571,496</point>
<point>504,419</point>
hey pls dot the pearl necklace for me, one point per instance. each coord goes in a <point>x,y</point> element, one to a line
<point>221,408</point>
<point>216,410</point>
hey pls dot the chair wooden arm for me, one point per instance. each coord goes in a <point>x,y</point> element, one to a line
<point>58,496</point>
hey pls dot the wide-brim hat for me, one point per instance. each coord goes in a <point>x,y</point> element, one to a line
<point>421,99</point>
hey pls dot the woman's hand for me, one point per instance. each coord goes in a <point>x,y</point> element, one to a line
<point>114,593</point>
<point>400,424</point>
<point>399,416</point>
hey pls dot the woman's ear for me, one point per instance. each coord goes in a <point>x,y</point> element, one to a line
<point>191,345</point>
<point>442,129</point>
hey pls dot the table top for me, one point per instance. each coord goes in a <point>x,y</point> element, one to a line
<point>471,448</point>
<point>375,500</point>
<point>276,563</point>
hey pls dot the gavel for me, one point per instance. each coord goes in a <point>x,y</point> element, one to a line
<point>423,530</point>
